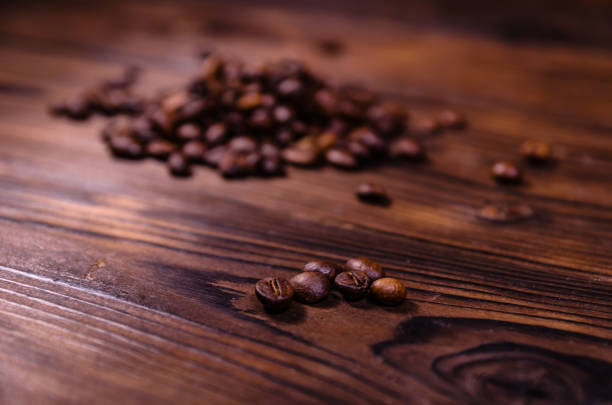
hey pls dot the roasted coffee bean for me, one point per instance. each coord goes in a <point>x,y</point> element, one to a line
<point>235,165</point>
<point>274,293</point>
<point>302,153</point>
<point>216,133</point>
<point>178,165</point>
<point>243,144</point>
<point>77,107</point>
<point>193,109</point>
<point>359,150</point>
<point>424,126</point>
<point>142,129</point>
<point>188,132</point>
<point>328,269</point>
<point>249,101</point>
<point>536,152</point>
<point>116,101</point>
<point>357,94</point>
<point>388,291</point>
<point>388,117</point>
<point>341,158</point>
<point>370,267</point>
<point>326,140</point>
<point>452,119</point>
<point>369,138</point>
<point>373,194</point>
<point>194,151</point>
<point>282,114</point>
<point>269,150</point>
<point>173,102</point>
<point>213,156</point>
<point>272,166</point>
<point>406,149</point>
<point>327,101</point>
<point>162,121</point>
<point>310,287</point>
<point>289,88</point>
<point>352,284</point>
<point>506,173</point>
<point>160,149</point>
<point>125,147</point>
<point>260,119</point>
<point>505,213</point>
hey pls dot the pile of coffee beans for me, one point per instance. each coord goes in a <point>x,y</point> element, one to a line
<point>354,280</point>
<point>249,120</point>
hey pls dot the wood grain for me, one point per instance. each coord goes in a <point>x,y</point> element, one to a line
<point>121,284</point>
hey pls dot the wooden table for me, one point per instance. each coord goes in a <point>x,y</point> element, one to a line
<point>120,284</point>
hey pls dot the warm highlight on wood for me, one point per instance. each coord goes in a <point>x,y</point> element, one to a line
<point>120,284</point>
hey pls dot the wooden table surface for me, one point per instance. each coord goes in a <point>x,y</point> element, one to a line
<point>120,284</point>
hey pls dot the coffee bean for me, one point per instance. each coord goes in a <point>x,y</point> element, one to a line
<point>328,269</point>
<point>424,126</point>
<point>77,107</point>
<point>178,165</point>
<point>274,293</point>
<point>283,114</point>
<point>326,140</point>
<point>341,158</point>
<point>352,284</point>
<point>369,138</point>
<point>289,88</point>
<point>243,144</point>
<point>160,149</point>
<point>370,267</point>
<point>388,291</point>
<point>359,150</point>
<point>238,164</point>
<point>387,118</point>
<point>249,101</point>
<point>536,152</point>
<point>213,156</point>
<point>301,154</point>
<point>272,166</point>
<point>260,119</point>
<point>406,149</point>
<point>506,173</point>
<point>188,132</point>
<point>194,151</point>
<point>310,287</point>
<point>216,133</point>
<point>452,119</point>
<point>269,150</point>
<point>125,147</point>
<point>373,194</point>
<point>505,213</point>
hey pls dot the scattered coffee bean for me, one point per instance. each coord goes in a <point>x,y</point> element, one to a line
<point>194,151</point>
<point>178,165</point>
<point>125,147</point>
<point>388,291</point>
<point>506,173</point>
<point>505,213</point>
<point>452,119</point>
<point>352,284</point>
<point>406,149</point>
<point>188,132</point>
<point>536,152</point>
<point>310,287</point>
<point>370,267</point>
<point>372,194</point>
<point>328,269</point>
<point>274,293</point>
<point>424,126</point>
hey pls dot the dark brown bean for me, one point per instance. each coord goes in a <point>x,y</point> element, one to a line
<point>506,173</point>
<point>373,194</point>
<point>213,156</point>
<point>352,284</point>
<point>274,293</point>
<point>260,119</point>
<point>77,107</point>
<point>289,88</point>
<point>326,140</point>
<point>328,269</point>
<point>370,267</point>
<point>243,144</point>
<point>160,149</point>
<point>178,165</point>
<point>359,150</point>
<point>341,158</point>
<point>536,152</point>
<point>302,153</point>
<point>505,213</point>
<point>216,133</point>
<point>369,138</point>
<point>188,132</point>
<point>272,166</point>
<point>406,149</point>
<point>452,119</point>
<point>194,151</point>
<point>388,291</point>
<point>125,147</point>
<point>310,287</point>
<point>249,101</point>
<point>283,114</point>
<point>424,126</point>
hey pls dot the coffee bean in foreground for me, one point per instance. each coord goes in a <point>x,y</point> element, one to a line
<point>353,284</point>
<point>372,193</point>
<point>274,293</point>
<point>369,267</point>
<point>310,286</point>
<point>388,291</point>
<point>328,269</point>
<point>506,173</point>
